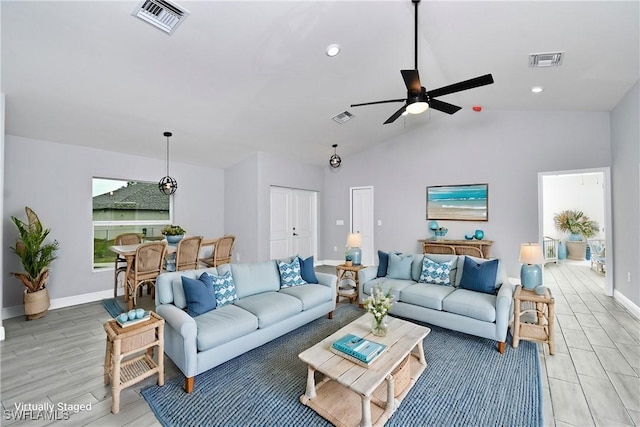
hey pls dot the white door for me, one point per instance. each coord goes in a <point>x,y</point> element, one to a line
<point>362,221</point>
<point>293,222</point>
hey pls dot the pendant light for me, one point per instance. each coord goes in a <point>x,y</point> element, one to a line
<point>335,160</point>
<point>168,185</point>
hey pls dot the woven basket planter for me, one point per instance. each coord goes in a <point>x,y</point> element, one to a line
<point>36,304</point>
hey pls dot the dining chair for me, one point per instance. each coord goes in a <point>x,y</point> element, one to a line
<point>146,268</point>
<point>469,250</point>
<point>187,253</point>
<point>121,262</point>
<point>222,252</point>
<point>432,248</point>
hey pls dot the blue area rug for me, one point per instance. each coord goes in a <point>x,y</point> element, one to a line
<point>466,383</point>
<point>113,307</point>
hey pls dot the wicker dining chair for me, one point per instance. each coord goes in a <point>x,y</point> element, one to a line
<point>121,262</point>
<point>222,252</point>
<point>433,248</point>
<point>146,268</point>
<point>187,253</point>
<point>469,250</point>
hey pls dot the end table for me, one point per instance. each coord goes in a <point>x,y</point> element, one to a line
<point>533,317</point>
<point>348,272</point>
<point>127,341</point>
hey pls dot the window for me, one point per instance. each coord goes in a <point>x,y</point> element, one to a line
<point>125,207</point>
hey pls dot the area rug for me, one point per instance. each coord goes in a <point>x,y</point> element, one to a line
<point>466,383</point>
<point>112,306</point>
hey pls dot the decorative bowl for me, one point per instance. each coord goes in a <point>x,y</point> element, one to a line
<point>123,317</point>
<point>139,313</point>
<point>131,314</point>
<point>468,237</point>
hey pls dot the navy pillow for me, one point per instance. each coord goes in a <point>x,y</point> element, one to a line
<point>200,294</point>
<point>307,271</point>
<point>383,263</point>
<point>479,277</point>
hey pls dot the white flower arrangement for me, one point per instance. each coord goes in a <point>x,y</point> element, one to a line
<point>379,303</point>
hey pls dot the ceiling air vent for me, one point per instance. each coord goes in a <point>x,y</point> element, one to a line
<point>545,59</point>
<point>342,117</point>
<point>162,14</point>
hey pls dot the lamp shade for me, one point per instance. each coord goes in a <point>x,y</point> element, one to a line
<point>531,253</point>
<point>354,240</point>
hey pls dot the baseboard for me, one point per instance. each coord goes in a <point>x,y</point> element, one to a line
<point>627,303</point>
<point>18,310</point>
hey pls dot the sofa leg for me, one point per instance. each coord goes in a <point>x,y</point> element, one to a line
<point>360,305</point>
<point>330,315</point>
<point>501,346</point>
<point>188,384</point>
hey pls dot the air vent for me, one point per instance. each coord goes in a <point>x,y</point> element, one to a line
<point>552,59</point>
<point>342,117</point>
<point>161,14</point>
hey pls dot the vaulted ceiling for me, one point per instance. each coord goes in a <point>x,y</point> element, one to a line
<point>238,77</point>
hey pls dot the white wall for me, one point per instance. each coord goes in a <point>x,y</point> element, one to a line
<point>581,192</point>
<point>625,148</point>
<point>55,180</point>
<point>505,149</point>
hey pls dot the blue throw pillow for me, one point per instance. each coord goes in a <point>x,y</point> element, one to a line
<point>399,266</point>
<point>290,274</point>
<point>200,294</point>
<point>480,277</point>
<point>307,271</point>
<point>383,262</point>
<point>225,289</point>
<point>436,273</point>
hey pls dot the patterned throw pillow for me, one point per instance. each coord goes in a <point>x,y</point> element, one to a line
<point>290,274</point>
<point>436,273</point>
<point>225,289</point>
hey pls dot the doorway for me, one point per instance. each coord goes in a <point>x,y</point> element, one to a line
<point>586,190</point>
<point>293,218</point>
<point>361,201</point>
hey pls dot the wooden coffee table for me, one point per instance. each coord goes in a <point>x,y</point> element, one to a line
<point>352,395</point>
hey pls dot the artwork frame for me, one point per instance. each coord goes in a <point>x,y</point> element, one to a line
<point>463,202</point>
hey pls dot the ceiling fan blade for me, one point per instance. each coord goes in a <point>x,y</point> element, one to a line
<point>379,102</point>
<point>396,115</point>
<point>445,107</point>
<point>411,80</point>
<point>487,79</point>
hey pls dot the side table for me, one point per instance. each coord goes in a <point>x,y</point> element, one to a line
<point>533,317</point>
<point>127,341</point>
<point>350,272</point>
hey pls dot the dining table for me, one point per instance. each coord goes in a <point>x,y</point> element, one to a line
<point>129,254</point>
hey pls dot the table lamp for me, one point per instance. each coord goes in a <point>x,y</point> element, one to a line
<point>354,240</point>
<point>531,259</point>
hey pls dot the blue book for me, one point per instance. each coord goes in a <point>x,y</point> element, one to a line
<point>359,348</point>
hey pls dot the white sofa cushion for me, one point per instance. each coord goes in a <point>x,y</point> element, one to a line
<point>386,284</point>
<point>270,307</point>
<point>476,305</point>
<point>222,325</point>
<point>255,278</point>
<point>310,294</point>
<point>426,295</point>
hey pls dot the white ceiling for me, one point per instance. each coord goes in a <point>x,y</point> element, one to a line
<point>239,77</point>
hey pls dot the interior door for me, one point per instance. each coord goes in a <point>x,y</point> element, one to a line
<point>362,221</point>
<point>281,211</point>
<point>293,222</point>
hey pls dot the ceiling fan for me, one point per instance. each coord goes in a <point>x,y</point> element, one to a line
<point>418,98</point>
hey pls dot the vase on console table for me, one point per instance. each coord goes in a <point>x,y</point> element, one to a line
<point>174,239</point>
<point>479,234</point>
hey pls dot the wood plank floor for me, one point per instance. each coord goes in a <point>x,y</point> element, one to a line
<point>592,379</point>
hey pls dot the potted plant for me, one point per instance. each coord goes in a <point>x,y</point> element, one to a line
<point>36,257</point>
<point>174,233</point>
<point>579,227</point>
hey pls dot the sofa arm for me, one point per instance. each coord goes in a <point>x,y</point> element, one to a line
<point>504,309</point>
<point>365,275</point>
<point>180,338</point>
<point>329,280</point>
<point>178,320</point>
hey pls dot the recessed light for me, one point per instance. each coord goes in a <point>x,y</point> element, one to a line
<point>333,50</point>
<point>537,89</point>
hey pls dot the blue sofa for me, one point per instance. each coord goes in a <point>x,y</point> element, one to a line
<point>262,312</point>
<point>472,312</point>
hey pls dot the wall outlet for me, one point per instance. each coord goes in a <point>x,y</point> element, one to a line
<point>339,222</point>
<point>379,223</point>
<point>335,249</point>
<point>629,277</point>
<point>237,257</point>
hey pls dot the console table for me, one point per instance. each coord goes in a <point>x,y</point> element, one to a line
<point>483,245</point>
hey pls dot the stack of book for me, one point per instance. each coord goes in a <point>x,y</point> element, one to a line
<point>358,350</point>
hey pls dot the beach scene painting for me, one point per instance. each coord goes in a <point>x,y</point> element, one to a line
<point>458,202</point>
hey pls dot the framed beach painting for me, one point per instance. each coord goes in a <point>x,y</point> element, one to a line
<point>458,202</point>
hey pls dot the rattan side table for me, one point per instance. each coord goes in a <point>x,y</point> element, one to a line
<point>129,341</point>
<point>533,317</point>
<point>350,272</point>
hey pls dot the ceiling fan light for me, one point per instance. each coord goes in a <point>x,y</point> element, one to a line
<point>417,107</point>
